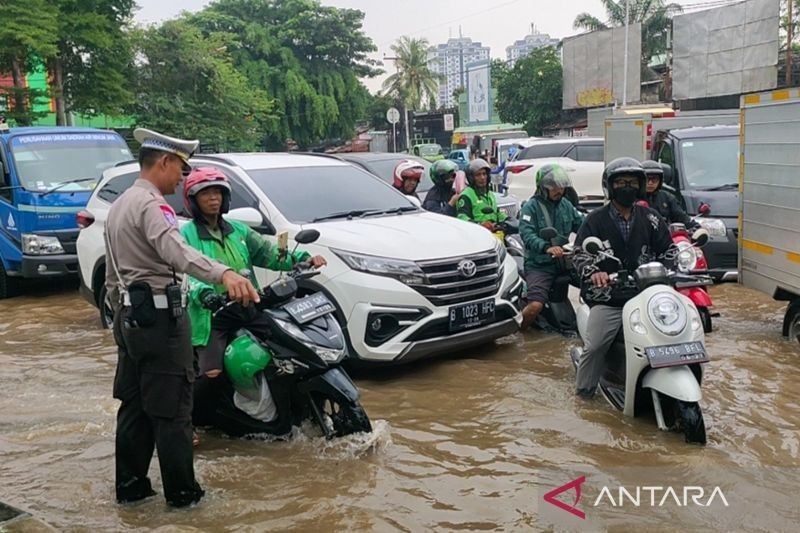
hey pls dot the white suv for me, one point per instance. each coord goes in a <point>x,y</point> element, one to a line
<point>407,284</point>
<point>581,157</point>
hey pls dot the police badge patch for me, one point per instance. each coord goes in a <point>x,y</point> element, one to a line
<point>169,214</point>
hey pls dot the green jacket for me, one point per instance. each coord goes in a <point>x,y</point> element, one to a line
<point>470,207</point>
<point>563,217</point>
<point>240,248</point>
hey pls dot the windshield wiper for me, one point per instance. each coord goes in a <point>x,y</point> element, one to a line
<point>343,214</point>
<point>725,187</point>
<point>64,184</point>
<point>394,210</point>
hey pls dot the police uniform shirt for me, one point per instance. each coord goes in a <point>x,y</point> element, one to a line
<point>143,234</point>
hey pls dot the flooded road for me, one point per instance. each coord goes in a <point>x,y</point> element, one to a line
<point>462,443</point>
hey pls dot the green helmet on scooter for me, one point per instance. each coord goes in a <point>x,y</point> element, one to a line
<point>244,358</point>
<point>443,171</point>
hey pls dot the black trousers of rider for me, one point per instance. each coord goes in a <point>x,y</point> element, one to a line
<point>154,379</point>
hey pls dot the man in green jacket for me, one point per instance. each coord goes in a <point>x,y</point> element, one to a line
<point>475,198</point>
<point>207,196</point>
<point>545,209</point>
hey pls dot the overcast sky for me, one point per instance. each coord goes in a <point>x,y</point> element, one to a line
<point>495,23</point>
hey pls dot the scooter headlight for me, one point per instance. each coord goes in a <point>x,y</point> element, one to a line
<point>667,313</point>
<point>687,257</point>
<point>329,355</point>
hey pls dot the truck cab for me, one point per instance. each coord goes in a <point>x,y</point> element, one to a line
<point>48,175</point>
<point>703,173</point>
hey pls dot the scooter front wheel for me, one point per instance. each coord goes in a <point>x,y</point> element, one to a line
<point>345,418</point>
<point>692,423</point>
<point>705,318</point>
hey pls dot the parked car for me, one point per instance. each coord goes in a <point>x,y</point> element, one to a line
<point>407,284</point>
<point>460,157</point>
<point>429,151</point>
<point>382,165</point>
<point>581,157</point>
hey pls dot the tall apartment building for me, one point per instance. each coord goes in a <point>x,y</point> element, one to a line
<point>450,60</point>
<point>527,45</point>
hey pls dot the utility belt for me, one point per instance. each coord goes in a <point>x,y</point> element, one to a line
<point>144,305</point>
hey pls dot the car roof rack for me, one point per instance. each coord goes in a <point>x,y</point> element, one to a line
<point>217,158</point>
<point>126,162</point>
<point>318,154</point>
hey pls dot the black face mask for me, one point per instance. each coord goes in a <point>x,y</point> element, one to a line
<point>626,196</point>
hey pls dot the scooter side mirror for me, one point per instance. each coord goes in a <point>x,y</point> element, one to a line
<point>700,237</point>
<point>548,233</point>
<point>306,236</point>
<point>592,245</point>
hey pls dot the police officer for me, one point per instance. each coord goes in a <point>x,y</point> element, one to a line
<point>155,367</point>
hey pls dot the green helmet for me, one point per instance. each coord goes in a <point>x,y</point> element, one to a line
<point>549,176</point>
<point>441,169</point>
<point>244,358</point>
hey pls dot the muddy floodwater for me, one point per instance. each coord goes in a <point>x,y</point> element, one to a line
<point>469,442</point>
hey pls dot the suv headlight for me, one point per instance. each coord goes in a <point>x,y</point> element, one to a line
<point>687,257</point>
<point>33,244</point>
<point>714,226</point>
<point>667,313</point>
<point>500,248</point>
<point>407,272</point>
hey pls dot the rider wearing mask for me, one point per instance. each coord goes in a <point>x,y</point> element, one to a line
<point>662,200</point>
<point>207,196</point>
<point>547,208</point>
<point>407,174</point>
<point>478,196</point>
<point>635,235</point>
<point>442,198</point>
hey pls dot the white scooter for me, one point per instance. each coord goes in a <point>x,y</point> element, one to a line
<point>654,364</point>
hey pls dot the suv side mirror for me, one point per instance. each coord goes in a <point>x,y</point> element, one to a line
<point>252,218</point>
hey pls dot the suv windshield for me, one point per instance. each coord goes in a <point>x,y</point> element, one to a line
<point>304,194</point>
<point>711,162</point>
<point>45,161</point>
<point>430,149</point>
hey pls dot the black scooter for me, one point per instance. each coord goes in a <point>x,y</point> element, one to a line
<point>558,314</point>
<point>305,376</point>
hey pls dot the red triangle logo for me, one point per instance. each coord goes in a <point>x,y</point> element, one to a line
<point>550,497</point>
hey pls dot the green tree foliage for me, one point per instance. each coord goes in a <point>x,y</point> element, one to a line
<point>655,16</point>
<point>414,81</point>
<point>28,31</point>
<point>307,57</point>
<point>530,93</point>
<point>188,87</point>
<point>499,70</point>
<point>93,66</point>
<point>376,110</point>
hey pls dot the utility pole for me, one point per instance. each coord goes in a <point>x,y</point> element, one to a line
<point>790,38</point>
<point>625,63</point>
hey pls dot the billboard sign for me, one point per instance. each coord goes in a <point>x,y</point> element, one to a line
<point>594,67</point>
<point>479,100</point>
<point>728,50</point>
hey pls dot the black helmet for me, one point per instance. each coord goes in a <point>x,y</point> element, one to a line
<point>627,166</point>
<point>474,166</point>
<point>654,168</point>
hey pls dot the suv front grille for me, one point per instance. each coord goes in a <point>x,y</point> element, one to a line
<point>447,286</point>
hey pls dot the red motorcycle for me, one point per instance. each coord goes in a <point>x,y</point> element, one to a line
<point>691,260</point>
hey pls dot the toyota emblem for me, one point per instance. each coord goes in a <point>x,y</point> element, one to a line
<point>467,268</point>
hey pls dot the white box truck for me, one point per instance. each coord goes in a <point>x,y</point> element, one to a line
<point>769,181</point>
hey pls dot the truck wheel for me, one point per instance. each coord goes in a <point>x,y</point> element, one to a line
<point>705,318</point>
<point>8,285</point>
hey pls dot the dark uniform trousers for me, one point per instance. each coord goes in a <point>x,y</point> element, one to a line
<point>154,379</point>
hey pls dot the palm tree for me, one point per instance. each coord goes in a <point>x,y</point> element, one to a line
<point>655,16</point>
<point>414,82</point>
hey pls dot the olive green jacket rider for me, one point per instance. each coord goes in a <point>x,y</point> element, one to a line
<point>471,204</point>
<point>240,248</point>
